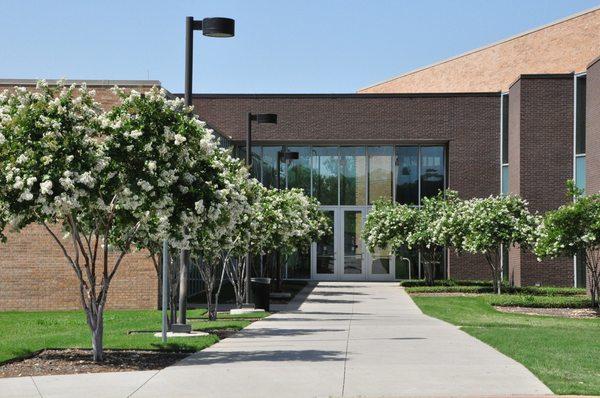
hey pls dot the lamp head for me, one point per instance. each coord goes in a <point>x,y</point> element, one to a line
<point>289,155</point>
<point>266,118</point>
<point>218,27</point>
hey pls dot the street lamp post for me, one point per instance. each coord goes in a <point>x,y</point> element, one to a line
<point>260,118</point>
<point>211,27</point>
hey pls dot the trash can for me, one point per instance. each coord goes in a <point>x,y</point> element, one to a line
<point>261,290</point>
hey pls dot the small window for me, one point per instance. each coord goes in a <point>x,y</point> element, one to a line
<point>504,128</point>
<point>580,89</point>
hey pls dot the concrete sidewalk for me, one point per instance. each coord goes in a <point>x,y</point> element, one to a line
<point>336,339</point>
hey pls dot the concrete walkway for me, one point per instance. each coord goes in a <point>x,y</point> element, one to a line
<point>346,339</point>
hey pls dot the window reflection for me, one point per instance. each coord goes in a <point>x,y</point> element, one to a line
<point>298,170</point>
<point>269,165</point>
<point>432,170</point>
<point>380,172</point>
<point>353,251</point>
<point>407,175</point>
<point>380,262</point>
<point>407,264</point>
<point>352,175</point>
<point>325,174</point>
<point>326,249</point>
<point>298,265</point>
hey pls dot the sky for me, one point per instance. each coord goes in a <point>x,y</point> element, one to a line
<point>281,46</point>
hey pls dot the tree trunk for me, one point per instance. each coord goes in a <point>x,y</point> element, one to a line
<point>210,305</point>
<point>220,286</point>
<point>429,256</point>
<point>95,320</point>
<point>97,341</point>
<point>592,263</point>
<point>493,259</point>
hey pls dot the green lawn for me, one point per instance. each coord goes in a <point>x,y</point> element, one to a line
<point>564,353</point>
<point>22,333</point>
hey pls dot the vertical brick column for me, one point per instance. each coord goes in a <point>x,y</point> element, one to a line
<point>540,162</point>
<point>592,131</point>
<point>592,128</point>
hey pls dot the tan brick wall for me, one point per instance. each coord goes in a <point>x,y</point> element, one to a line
<point>567,46</point>
<point>34,274</point>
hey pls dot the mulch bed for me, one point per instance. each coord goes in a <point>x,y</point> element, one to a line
<point>221,333</point>
<point>561,312</point>
<point>73,361</point>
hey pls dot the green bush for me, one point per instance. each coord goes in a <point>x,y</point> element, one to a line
<point>444,282</point>
<point>547,291</point>
<point>519,300</point>
<point>475,286</point>
<point>450,289</point>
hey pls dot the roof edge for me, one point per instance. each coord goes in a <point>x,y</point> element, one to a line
<point>573,16</point>
<point>543,76</point>
<point>90,82</point>
<point>347,95</point>
<point>593,62</point>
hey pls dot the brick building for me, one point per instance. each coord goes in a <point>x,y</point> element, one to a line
<point>520,116</point>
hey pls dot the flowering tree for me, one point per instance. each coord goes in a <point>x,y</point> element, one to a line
<point>245,240</point>
<point>428,228</point>
<point>437,226</point>
<point>390,225</point>
<point>494,221</point>
<point>220,234</point>
<point>574,229</point>
<point>288,220</point>
<point>110,180</point>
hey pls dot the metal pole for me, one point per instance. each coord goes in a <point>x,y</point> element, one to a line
<point>249,164</point>
<point>278,186</point>
<point>183,256</point>
<point>165,287</point>
<point>189,58</point>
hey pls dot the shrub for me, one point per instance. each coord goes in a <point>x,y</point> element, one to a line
<point>533,301</point>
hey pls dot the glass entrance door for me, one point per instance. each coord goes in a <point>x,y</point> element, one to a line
<point>342,254</point>
<point>353,256</point>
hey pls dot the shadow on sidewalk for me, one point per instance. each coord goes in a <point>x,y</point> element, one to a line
<point>209,358</point>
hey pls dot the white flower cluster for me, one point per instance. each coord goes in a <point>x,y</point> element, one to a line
<point>476,225</point>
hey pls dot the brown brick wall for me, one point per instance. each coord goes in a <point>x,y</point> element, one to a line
<point>592,130</point>
<point>34,274</point>
<point>469,124</point>
<point>540,162</point>
<point>563,47</point>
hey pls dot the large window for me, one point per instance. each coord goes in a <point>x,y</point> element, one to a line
<point>380,172</point>
<point>504,145</point>
<point>580,92</point>
<point>353,166</point>
<point>579,161</point>
<point>355,176</point>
